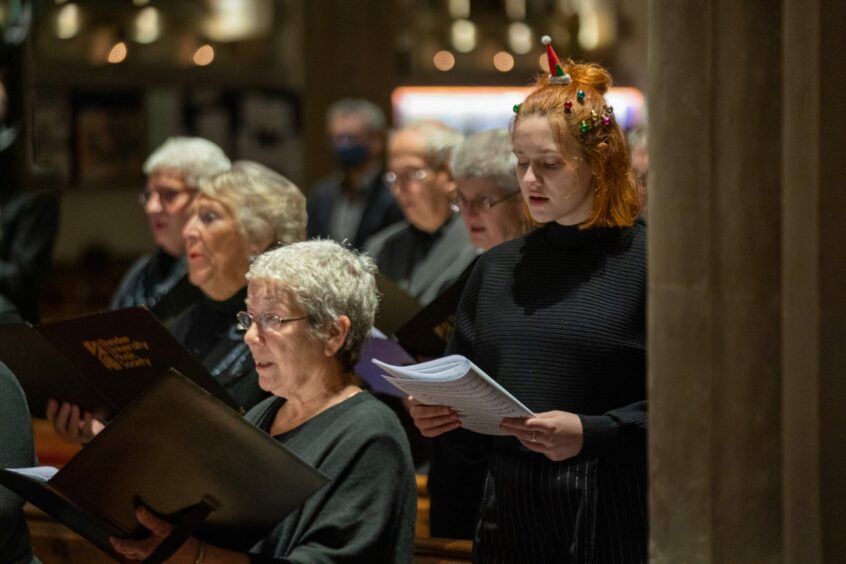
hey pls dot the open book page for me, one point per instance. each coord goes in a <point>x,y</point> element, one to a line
<point>38,473</point>
<point>481,403</point>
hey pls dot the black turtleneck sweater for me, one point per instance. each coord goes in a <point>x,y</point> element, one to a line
<point>210,331</point>
<point>558,318</point>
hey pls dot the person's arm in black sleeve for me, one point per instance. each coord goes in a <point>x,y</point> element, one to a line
<point>617,433</point>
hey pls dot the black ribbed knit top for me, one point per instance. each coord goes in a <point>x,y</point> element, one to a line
<point>558,318</point>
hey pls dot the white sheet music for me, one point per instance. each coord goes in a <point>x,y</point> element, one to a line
<point>40,473</point>
<point>481,403</point>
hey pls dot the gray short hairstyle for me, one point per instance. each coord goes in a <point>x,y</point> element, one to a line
<point>438,140</point>
<point>266,204</point>
<point>327,280</point>
<point>194,157</point>
<point>487,155</point>
<point>374,117</point>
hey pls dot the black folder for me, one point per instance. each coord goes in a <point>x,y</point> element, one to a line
<point>396,306</point>
<point>427,333</point>
<point>100,362</point>
<point>208,471</point>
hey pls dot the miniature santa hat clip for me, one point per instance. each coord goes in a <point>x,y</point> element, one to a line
<point>557,74</point>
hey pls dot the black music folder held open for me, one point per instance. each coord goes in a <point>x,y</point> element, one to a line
<point>210,472</point>
<point>100,362</point>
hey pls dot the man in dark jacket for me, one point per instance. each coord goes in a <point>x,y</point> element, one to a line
<point>354,202</point>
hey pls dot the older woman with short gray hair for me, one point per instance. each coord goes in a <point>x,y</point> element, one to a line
<point>309,307</point>
<point>487,192</point>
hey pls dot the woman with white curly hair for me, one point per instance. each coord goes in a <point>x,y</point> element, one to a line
<point>310,306</point>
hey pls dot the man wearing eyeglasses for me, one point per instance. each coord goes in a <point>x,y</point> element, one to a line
<point>431,248</point>
<point>173,173</point>
<point>353,203</point>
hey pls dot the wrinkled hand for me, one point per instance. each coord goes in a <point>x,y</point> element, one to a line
<point>159,529</point>
<point>432,420</point>
<point>558,435</point>
<point>71,424</point>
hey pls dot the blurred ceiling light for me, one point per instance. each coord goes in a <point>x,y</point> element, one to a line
<point>503,61</point>
<point>117,54</point>
<point>459,9</point>
<point>520,38</point>
<point>140,2</point>
<point>147,26</point>
<point>233,20</point>
<point>516,9</point>
<point>597,24</point>
<point>543,62</point>
<point>443,60</point>
<point>463,36</point>
<point>203,56</point>
<point>68,21</point>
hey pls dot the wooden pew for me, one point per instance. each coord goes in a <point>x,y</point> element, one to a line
<point>433,550</point>
<point>54,543</point>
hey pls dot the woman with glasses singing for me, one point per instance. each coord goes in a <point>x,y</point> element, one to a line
<point>557,317</point>
<point>310,306</point>
<point>235,215</point>
<point>487,192</point>
<point>173,171</point>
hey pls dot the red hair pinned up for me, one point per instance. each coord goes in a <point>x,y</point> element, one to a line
<point>590,121</point>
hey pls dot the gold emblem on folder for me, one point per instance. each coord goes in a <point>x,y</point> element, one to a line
<point>118,353</point>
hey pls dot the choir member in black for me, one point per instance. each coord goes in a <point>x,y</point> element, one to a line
<point>309,308</point>
<point>236,215</point>
<point>557,317</point>
<point>173,171</point>
<point>428,251</point>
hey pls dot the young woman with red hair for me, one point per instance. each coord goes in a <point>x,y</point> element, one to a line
<point>557,316</point>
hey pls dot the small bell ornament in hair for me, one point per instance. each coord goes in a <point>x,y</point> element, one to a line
<point>557,74</point>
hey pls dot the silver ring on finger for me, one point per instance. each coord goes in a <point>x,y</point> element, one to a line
<point>534,437</point>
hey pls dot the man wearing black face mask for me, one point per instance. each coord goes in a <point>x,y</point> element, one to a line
<point>354,202</point>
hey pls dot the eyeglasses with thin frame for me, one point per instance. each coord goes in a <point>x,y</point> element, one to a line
<point>482,203</point>
<point>167,196</point>
<point>392,179</point>
<point>267,322</point>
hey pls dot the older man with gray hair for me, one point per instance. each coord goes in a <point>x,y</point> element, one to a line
<point>431,248</point>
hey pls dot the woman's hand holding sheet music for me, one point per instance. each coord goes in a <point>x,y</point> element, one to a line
<point>558,435</point>
<point>433,420</point>
<point>71,423</point>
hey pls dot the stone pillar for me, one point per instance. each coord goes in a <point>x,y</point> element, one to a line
<point>714,302</point>
<point>747,267</point>
<point>813,274</point>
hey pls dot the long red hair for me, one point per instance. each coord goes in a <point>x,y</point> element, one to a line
<point>615,201</point>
